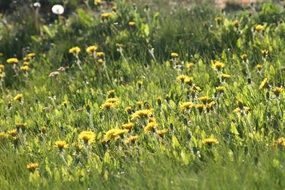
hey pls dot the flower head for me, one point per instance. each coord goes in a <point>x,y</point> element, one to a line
<point>87,136</point>
<point>74,50</point>
<point>210,141</point>
<point>32,166</point>
<point>217,65</point>
<point>61,144</point>
<point>91,49</point>
<point>57,9</point>
<point>12,60</point>
<point>18,97</point>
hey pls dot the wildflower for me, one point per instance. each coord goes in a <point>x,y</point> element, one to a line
<point>12,60</point>
<point>281,142</point>
<point>2,67</point>
<point>97,2</point>
<point>129,110</point>
<point>25,68</point>
<point>87,136</point>
<point>174,55</point>
<point>111,93</point>
<point>259,67</point>
<point>61,145</point>
<point>128,126</point>
<point>189,66</point>
<point>114,133</point>
<point>236,23</point>
<point>200,107</point>
<point>91,49</point>
<point>18,97</point>
<point>32,166</point>
<point>57,9</point>
<point>131,23</point>
<point>131,139</point>
<point>210,141</point>
<point>74,50</point>
<point>204,99</point>
<point>107,15</point>
<point>259,28</point>
<point>186,106</point>
<point>220,89</point>
<point>100,62</point>
<point>100,54</point>
<point>264,84</point>
<point>26,63</point>
<point>113,100</point>
<point>184,78</point>
<point>162,132</point>
<point>242,110</point>
<point>217,65</point>
<point>150,127</point>
<point>12,133</point>
<point>277,90</point>
<point>3,136</point>
<point>30,55</point>
<point>108,105</point>
<point>142,114</point>
<point>264,52</point>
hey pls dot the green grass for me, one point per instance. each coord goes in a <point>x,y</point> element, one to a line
<point>231,135</point>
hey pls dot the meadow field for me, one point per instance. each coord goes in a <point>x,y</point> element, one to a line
<point>141,95</point>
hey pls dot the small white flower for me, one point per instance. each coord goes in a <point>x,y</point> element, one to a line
<point>37,4</point>
<point>57,9</point>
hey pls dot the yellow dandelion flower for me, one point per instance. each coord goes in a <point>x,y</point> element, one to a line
<point>236,23</point>
<point>113,100</point>
<point>217,65</point>
<point>91,49</point>
<point>189,66</point>
<point>210,141</point>
<point>18,97</point>
<point>277,90</point>
<point>107,15</point>
<point>128,126</point>
<point>150,127</point>
<point>132,23</point>
<point>113,134</point>
<point>184,78</point>
<point>97,2</point>
<point>186,106</point>
<point>25,68</point>
<point>129,110</point>
<point>12,60</point>
<point>204,99</point>
<point>259,67</point>
<point>32,166</point>
<point>281,142</point>
<point>264,52</point>
<point>162,132</point>
<point>108,105</point>
<point>200,107</point>
<point>111,93</point>
<point>2,67</point>
<point>12,133</point>
<point>61,144</point>
<point>142,114</point>
<point>220,89</point>
<point>3,136</point>
<point>174,55</point>
<point>131,139</point>
<point>74,50</point>
<point>100,54</point>
<point>31,55</point>
<point>87,136</point>
<point>259,28</point>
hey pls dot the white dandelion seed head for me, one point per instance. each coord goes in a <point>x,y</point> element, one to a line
<point>57,9</point>
<point>37,4</point>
